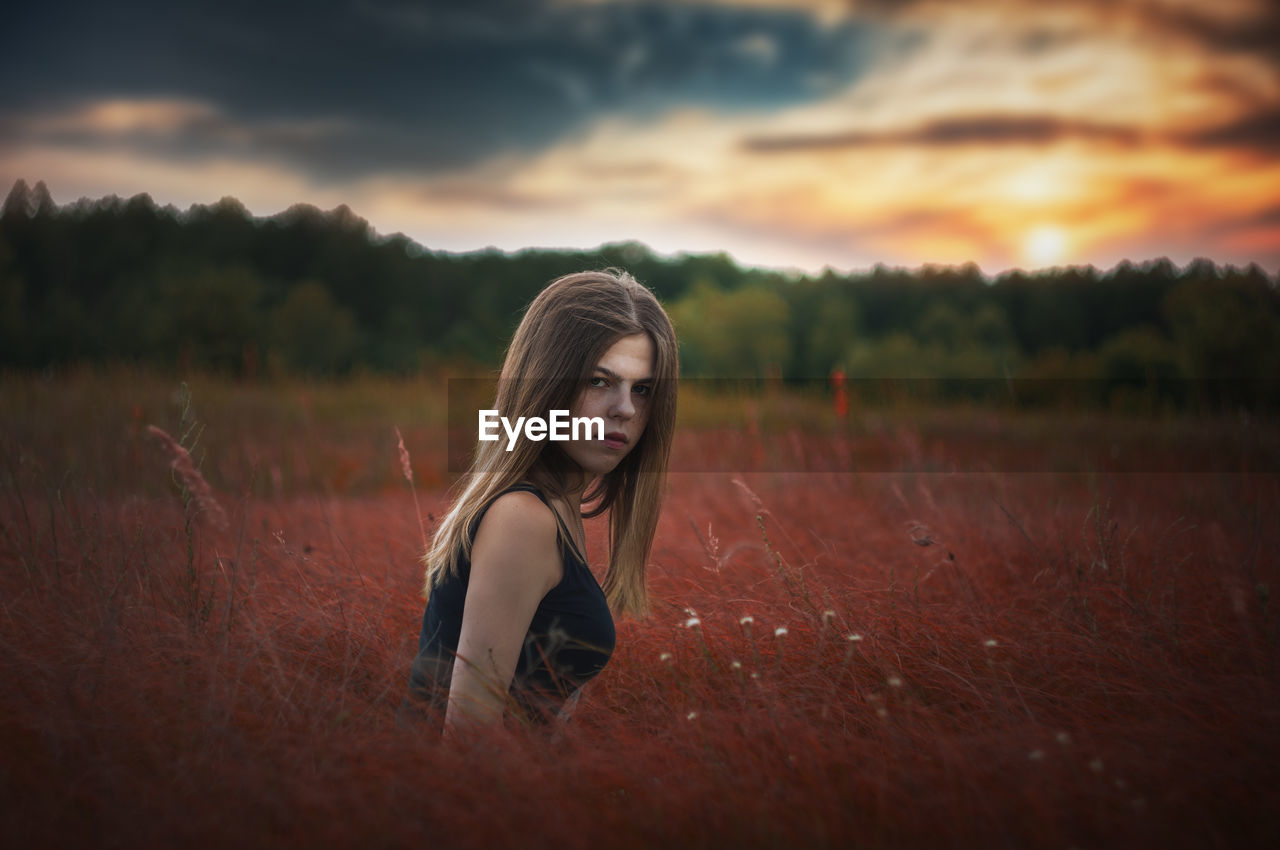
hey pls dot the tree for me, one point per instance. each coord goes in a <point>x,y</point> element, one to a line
<point>310,333</point>
<point>824,322</point>
<point>18,204</point>
<point>740,334</point>
<point>206,318</point>
<point>1226,333</point>
<point>12,322</point>
<point>1140,364</point>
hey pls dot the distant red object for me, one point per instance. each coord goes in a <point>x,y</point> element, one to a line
<point>841,398</point>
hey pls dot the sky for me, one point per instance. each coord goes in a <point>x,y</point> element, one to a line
<point>788,133</point>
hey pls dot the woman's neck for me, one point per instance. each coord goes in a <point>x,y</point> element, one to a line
<point>575,486</point>
<point>565,476</point>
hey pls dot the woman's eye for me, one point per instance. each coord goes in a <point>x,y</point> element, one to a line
<point>596,382</point>
<point>643,390</point>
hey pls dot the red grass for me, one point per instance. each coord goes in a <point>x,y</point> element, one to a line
<point>1065,661</point>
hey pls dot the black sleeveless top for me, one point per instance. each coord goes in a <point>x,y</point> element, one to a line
<point>569,640</point>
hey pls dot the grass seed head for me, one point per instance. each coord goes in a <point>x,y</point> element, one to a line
<point>405,466</point>
<point>191,480</point>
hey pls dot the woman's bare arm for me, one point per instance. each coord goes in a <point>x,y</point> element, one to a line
<point>515,560</point>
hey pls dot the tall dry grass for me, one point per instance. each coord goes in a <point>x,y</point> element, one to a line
<point>909,659</point>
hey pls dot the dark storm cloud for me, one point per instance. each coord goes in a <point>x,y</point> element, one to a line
<point>390,86</point>
<point>974,130</point>
<point>1259,131</point>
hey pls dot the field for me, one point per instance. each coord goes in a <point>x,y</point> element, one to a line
<point>1000,630</point>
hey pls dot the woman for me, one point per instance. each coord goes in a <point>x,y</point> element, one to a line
<point>515,619</point>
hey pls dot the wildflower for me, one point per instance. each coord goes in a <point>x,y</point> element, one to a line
<point>780,631</point>
<point>853,638</point>
<point>691,612</point>
<point>1063,738</point>
<point>747,620</point>
<point>693,715</point>
<point>990,642</point>
<point>1036,755</point>
<point>894,682</point>
<point>691,622</point>
<point>666,656</point>
<point>827,616</point>
<point>1096,765</point>
<point>755,675</point>
<point>1121,784</point>
<point>735,665</point>
<point>882,711</point>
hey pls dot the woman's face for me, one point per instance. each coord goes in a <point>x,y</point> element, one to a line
<point>619,392</point>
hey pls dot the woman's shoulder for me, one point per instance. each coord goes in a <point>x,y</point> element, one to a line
<point>519,528</point>
<point>522,499</point>
<point>522,512</point>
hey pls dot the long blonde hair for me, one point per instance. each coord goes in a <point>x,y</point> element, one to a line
<point>564,333</point>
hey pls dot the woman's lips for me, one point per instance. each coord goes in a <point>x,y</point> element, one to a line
<point>615,440</point>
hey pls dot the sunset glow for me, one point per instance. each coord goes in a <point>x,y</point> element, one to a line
<point>1045,246</point>
<point>801,134</point>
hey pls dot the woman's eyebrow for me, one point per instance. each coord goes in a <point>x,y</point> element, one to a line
<point>614,376</point>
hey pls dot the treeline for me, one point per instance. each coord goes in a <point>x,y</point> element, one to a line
<point>318,292</point>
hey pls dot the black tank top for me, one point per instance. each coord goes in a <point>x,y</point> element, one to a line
<point>569,640</point>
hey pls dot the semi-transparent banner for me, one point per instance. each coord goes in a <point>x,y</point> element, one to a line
<point>886,425</point>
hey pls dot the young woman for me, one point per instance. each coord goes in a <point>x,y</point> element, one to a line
<point>515,621</point>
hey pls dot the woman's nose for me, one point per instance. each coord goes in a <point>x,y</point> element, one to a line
<point>622,407</point>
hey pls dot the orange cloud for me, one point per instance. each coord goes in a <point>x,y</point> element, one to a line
<point>1002,133</point>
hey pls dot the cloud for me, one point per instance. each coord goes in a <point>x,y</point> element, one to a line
<point>1259,131</point>
<point>787,132</point>
<point>1218,26</point>
<point>1243,26</point>
<point>1256,131</point>
<point>1270,216</point>
<point>189,132</point>
<point>974,130</point>
<point>385,86</point>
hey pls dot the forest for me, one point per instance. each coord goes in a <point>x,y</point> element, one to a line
<point>314,293</point>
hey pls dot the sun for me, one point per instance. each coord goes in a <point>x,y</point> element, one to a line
<point>1045,246</point>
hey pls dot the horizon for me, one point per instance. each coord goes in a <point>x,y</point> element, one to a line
<point>378,237</point>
